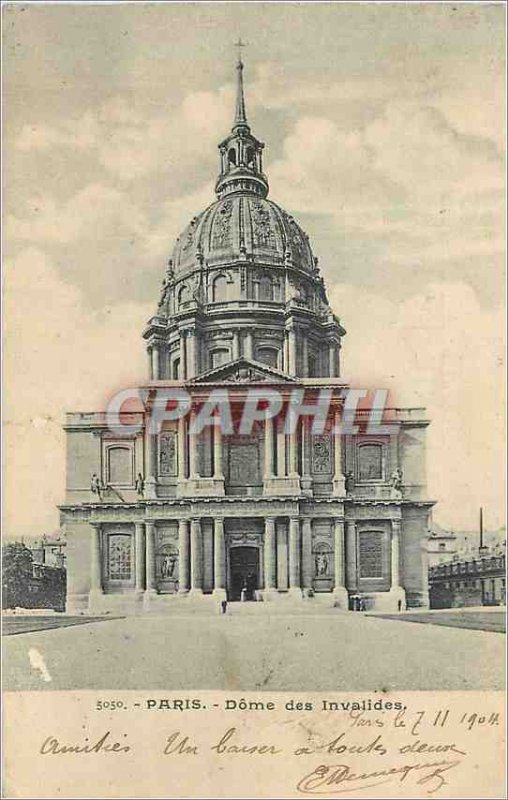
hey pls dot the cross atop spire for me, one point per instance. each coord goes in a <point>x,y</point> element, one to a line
<point>239,44</point>
<point>240,113</point>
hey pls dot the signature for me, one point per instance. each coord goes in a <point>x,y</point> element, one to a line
<point>326,779</point>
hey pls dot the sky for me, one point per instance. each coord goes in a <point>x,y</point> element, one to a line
<point>385,131</point>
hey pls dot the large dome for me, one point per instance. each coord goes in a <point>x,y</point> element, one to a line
<point>239,226</point>
<point>242,281</point>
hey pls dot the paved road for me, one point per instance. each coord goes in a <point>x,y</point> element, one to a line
<point>337,651</point>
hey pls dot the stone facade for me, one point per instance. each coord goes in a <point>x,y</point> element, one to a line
<point>264,516</point>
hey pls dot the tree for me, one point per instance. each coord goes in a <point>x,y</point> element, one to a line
<point>16,574</point>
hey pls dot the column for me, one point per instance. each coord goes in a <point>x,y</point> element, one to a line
<point>182,449</point>
<point>332,358</point>
<point>395,555</point>
<point>351,554</point>
<point>183,556</point>
<point>191,353</point>
<point>281,450</point>
<point>286,352</point>
<point>196,557</point>
<point>293,453</point>
<point>305,355</point>
<point>193,451</point>
<point>217,453</point>
<point>219,559</point>
<point>95,559</point>
<point>150,363</point>
<point>151,461</point>
<point>307,447</point>
<point>269,443</point>
<point>292,351</point>
<point>339,482</point>
<point>150,558</point>
<point>294,556</point>
<point>248,347</point>
<point>140,556</point>
<point>270,555</point>
<point>183,356</point>
<point>339,590</point>
<point>236,346</point>
<point>282,557</point>
<point>156,357</point>
<point>307,571</point>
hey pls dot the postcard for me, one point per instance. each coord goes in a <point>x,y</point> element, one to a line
<point>254,541</point>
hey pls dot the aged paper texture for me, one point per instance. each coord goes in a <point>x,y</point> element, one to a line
<point>253,536</point>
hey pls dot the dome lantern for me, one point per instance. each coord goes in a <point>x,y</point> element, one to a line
<point>241,165</point>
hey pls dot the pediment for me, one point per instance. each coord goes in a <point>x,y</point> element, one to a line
<point>243,370</point>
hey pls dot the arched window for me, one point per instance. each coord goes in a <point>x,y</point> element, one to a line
<point>370,462</point>
<point>183,295</point>
<point>267,355</point>
<point>176,369</point>
<point>220,289</point>
<point>219,356</point>
<point>249,157</point>
<point>119,466</point>
<point>232,156</point>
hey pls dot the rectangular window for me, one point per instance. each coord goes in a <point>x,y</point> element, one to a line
<point>370,462</point>
<point>120,557</point>
<point>371,554</point>
<point>119,463</point>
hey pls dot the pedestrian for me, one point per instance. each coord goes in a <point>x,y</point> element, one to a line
<point>223,606</point>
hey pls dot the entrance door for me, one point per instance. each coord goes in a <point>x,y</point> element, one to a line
<point>244,571</point>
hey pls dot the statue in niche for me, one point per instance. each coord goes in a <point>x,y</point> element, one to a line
<point>322,564</point>
<point>168,565</point>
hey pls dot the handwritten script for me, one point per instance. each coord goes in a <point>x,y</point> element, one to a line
<point>291,751</point>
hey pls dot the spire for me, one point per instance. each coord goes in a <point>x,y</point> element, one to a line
<point>241,168</point>
<point>240,113</point>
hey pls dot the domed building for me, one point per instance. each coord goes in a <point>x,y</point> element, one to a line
<point>268,513</point>
<point>243,280</point>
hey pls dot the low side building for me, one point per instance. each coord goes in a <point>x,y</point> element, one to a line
<point>479,581</point>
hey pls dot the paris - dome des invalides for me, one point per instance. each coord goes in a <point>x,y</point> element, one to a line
<point>154,522</point>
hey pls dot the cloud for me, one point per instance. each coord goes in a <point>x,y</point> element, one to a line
<point>132,142</point>
<point>58,356</point>
<point>101,240</point>
<point>439,349</point>
<point>402,200</point>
